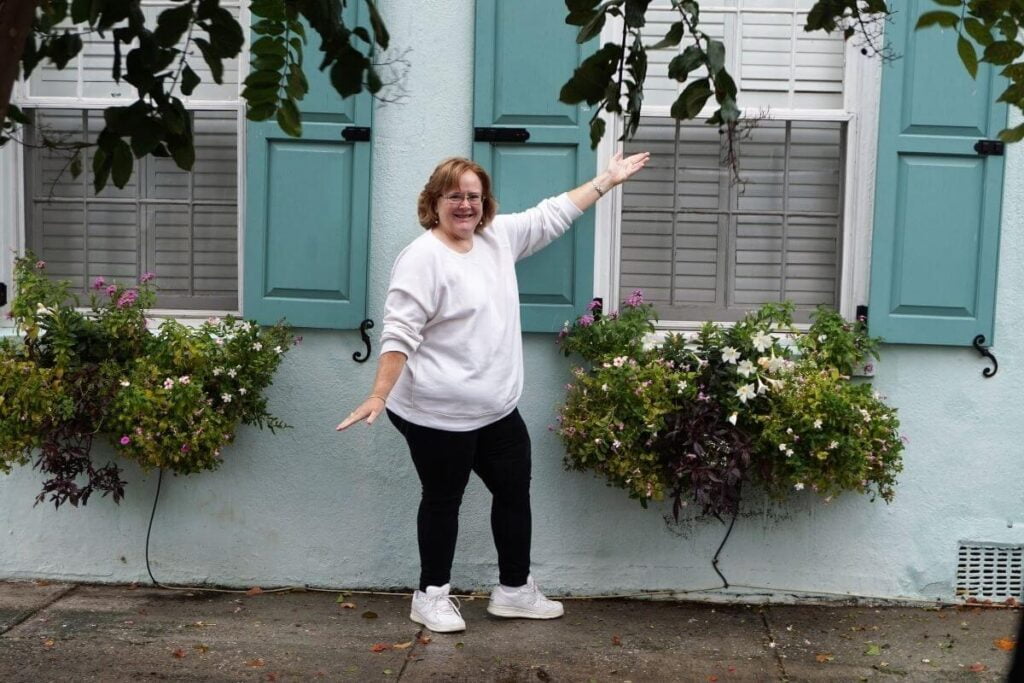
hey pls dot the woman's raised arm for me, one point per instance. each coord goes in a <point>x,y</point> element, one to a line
<point>619,170</point>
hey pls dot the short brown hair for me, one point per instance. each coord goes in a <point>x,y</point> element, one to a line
<point>446,177</point>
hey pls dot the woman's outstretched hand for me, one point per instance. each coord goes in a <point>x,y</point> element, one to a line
<point>368,410</point>
<point>620,169</point>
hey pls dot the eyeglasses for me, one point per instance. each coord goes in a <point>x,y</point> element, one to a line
<point>459,197</point>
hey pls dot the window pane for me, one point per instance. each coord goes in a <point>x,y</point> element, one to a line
<point>181,226</point>
<point>703,247</point>
<point>775,63</point>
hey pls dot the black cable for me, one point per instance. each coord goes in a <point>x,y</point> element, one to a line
<point>149,529</point>
<point>714,560</point>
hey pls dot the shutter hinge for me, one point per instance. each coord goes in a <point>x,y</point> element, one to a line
<point>500,134</point>
<point>3,294</point>
<point>993,148</point>
<point>862,314</point>
<point>356,133</point>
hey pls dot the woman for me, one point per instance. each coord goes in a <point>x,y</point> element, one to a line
<point>451,372</point>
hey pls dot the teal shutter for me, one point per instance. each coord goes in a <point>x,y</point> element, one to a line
<point>307,210</point>
<point>524,53</point>
<point>937,204</point>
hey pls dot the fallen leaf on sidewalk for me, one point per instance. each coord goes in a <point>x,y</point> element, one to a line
<point>255,663</point>
<point>874,650</point>
<point>255,590</point>
<point>616,640</point>
<point>202,647</point>
<point>179,653</point>
<point>40,583</point>
<point>271,676</point>
<point>369,615</point>
<point>424,640</point>
<point>341,597</point>
<point>1005,644</point>
<point>48,643</point>
<point>824,657</point>
<point>380,647</point>
<point>459,645</point>
<point>402,646</point>
<point>712,678</point>
<point>347,605</point>
<point>977,667</point>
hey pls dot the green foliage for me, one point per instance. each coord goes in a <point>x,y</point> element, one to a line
<point>171,399</point>
<point>700,414</point>
<point>158,66</point>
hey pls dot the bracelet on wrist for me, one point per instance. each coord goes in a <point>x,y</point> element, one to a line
<point>378,396</point>
<point>597,188</point>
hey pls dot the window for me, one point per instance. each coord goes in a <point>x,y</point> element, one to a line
<point>182,226</point>
<point>703,246</point>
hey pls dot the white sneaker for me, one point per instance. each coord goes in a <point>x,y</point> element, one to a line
<point>526,602</point>
<point>437,610</point>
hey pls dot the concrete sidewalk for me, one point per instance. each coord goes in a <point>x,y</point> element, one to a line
<point>64,632</point>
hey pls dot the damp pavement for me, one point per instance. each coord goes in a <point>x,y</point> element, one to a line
<point>74,632</point>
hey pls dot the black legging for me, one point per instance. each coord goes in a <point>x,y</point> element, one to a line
<point>499,453</point>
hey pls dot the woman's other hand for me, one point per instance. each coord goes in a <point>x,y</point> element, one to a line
<point>620,169</point>
<point>368,410</point>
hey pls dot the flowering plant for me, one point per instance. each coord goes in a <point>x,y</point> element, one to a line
<point>699,414</point>
<point>172,398</point>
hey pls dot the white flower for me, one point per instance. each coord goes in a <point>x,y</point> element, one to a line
<point>745,368</point>
<point>43,310</point>
<point>776,363</point>
<point>243,391</point>
<point>762,341</point>
<point>799,486</point>
<point>732,419</point>
<point>746,392</point>
<point>822,337</point>
<point>782,447</point>
<point>217,372</point>
<point>184,379</point>
<point>761,387</point>
<point>834,445</point>
<point>789,430</point>
<point>866,415</point>
<point>616,443</point>
<point>277,349</point>
<point>817,424</point>
<point>619,361</point>
<point>168,383</point>
<point>604,387</point>
<point>789,452</point>
<point>125,383</point>
<point>232,372</point>
<point>598,441</point>
<point>257,347</point>
<point>730,355</point>
<point>681,385</point>
<point>226,398</point>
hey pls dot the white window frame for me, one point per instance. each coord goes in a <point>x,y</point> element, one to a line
<point>862,77</point>
<point>13,224</point>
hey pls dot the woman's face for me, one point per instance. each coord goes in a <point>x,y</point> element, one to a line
<point>459,220</point>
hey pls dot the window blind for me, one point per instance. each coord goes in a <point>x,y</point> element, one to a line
<point>181,226</point>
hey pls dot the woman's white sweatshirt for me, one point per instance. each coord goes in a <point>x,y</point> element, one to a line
<point>456,318</point>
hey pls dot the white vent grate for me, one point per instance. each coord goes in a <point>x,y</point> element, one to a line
<point>990,571</point>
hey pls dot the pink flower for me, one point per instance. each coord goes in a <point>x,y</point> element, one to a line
<point>40,265</point>
<point>127,298</point>
<point>146,277</point>
<point>111,290</point>
<point>125,440</point>
<point>594,304</point>
<point>185,448</point>
<point>586,320</point>
<point>635,299</point>
<point>99,283</point>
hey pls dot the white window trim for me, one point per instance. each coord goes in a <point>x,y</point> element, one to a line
<point>12,183</point>
<point>861,99</point>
